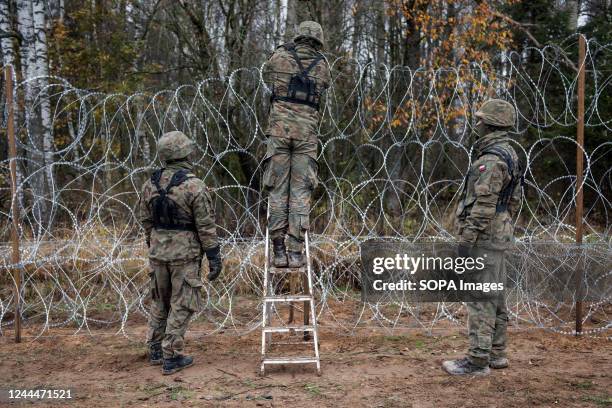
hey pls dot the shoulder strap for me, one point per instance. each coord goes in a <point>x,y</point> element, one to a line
<point>155,177</point>
<point>516,176</point>
<point>305,71</point>
<point>291,48</point>
<point>312,64</point>
<point>177,179</point>
<point>502,154</point>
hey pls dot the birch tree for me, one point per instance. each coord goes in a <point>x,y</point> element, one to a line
<point>34,63</point>
<point>42,72</point>
<point>7,34</point>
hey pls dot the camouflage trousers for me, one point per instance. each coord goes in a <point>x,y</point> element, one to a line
<point>290,177</point>
<point>488,320</point>
<point>175,296</point>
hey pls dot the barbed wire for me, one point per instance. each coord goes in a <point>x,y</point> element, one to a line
<point>393,151</point>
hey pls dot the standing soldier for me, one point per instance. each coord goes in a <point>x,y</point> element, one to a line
<point>298,74</point>
<point>491,198</point>
<point>179,221</point>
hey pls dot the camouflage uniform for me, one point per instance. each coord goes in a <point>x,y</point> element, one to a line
<point>175,255</point>
<point>485,225</point>
<point>290,160</point>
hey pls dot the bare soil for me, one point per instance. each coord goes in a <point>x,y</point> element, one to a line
<point>367,368</point>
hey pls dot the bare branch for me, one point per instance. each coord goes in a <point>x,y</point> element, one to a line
<point>524,30</point>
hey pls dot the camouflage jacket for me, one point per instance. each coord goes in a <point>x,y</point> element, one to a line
<point>477,220</point>
<point>193,197</point>
<point>287,119</point>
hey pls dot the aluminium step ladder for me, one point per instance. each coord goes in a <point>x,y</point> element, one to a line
<point>271,300</point>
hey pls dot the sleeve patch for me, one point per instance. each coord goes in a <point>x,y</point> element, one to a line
<point>482,168</point>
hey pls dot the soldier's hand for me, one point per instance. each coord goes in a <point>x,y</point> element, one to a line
<point>464,250</point>
<point>215,263</point>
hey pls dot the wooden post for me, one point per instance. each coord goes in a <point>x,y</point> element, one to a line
<point>15,257</point>
<point>579,181</point>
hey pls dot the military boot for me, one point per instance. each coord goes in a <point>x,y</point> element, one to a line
<point>464,366</point>
<point>296,259</point>
<point>498,362</point>
<point>280,254</point>
<point>155,354</point>
<point>174,364</point>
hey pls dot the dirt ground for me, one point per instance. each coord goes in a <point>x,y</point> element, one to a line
<point>367,369</point>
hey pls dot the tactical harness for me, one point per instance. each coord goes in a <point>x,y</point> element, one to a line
<point>300,84</point>
<point>516,177</point>
<point>167,215</point>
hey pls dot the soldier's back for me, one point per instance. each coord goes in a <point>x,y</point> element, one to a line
<point>290,119</point>
<point>168,245</point>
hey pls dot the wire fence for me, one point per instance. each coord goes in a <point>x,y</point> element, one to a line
<point>394,145</point>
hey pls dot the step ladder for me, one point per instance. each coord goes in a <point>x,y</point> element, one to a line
<point>270,302</point>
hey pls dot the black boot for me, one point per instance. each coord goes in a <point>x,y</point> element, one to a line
<point>280,254</point>
<point>155,354</point>
<point>463,366</point>
<point>296,259</point>
<point>174,364</point>
<point>498,362</point>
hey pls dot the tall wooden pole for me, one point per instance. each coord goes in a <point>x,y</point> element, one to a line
<point>579,181</point>
<point>15,257</point>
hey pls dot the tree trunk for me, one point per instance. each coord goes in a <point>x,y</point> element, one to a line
<point>572,8</point>
<point>8,47</point>
<point>357,29</point>
<point>291,21</point>
<point>42,72</point>
<point>32,139</point>
<point>380,33</point>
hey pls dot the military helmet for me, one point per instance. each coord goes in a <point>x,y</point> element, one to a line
<point>174,145</point>
<point>497,112</point>
<point>310,29</point>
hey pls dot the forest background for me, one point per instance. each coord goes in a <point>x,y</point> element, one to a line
<point>132,46</point>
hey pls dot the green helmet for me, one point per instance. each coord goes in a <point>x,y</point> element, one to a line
<point>310,29</point>
<point>497,112</point>
<point>174,145</point>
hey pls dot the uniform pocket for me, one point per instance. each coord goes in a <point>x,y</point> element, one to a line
<point>267,164</point>
<point>464,206</point>
<point>209,202</point>
<point>501,228</point>
<point>269,178</point>
<point>311,174</point>
<point>305,222</point>
<point>153,286</point>
<point>191,298</point>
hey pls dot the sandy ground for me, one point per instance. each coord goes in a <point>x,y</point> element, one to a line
<point>367,369</point>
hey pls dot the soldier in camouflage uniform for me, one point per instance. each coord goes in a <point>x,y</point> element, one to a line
<point>298,75</point>
<point>491,198</point>
<point>176,212</point>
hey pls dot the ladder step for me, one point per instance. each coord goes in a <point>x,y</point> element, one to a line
<point>288,298</point>
<point>276,270</point>
<point>285,329</point>
<point>292,343</point>
<point>290,360</point>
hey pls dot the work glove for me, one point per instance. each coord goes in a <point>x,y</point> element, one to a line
<point>215,264</point>
<point>464,250</point>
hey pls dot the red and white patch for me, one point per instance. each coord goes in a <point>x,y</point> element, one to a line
<point>482,168</point>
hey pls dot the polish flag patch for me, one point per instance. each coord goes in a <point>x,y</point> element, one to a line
<point>482,168</point>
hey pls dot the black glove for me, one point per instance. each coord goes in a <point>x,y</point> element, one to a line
<point>215,264</point>
<point>464,250</point>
